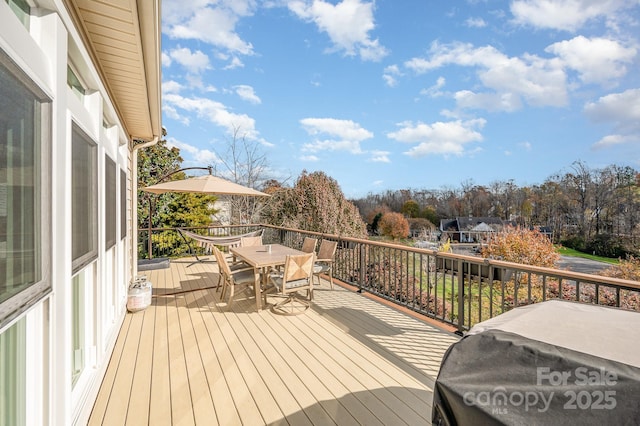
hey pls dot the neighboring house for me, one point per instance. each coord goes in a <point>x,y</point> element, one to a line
<point>79,95</point>
<point>471,229</point>
<point>422,228</point>
<point>544,230</point>
<point>223,214</point>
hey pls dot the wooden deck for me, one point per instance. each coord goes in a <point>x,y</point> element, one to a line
<point>187,360</point>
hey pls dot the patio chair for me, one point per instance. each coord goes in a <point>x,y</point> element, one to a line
<point>297,276</point>
<point>207,242</point>
<point>233,264</point>
<point>251,241</point>
<point>309,245</point>
<point>324,263</point>
<point>233,277</point>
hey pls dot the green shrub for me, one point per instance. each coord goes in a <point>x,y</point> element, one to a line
<point>607,246</point>
<point>575,242</point>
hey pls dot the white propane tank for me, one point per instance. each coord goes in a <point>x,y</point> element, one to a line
<point>139,295</point>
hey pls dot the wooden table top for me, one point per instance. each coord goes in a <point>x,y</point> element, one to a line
<point>259,256</point>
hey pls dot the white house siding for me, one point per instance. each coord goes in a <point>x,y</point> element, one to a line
<point>43,52</point>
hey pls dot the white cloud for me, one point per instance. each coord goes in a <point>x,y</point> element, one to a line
<point>216,113</point>
<point>342,128</point>
<point>597,60</point>
<point>475,23</point>
<point>195,62</point>
<point>379,156</point>
<point>463,54</point>
<point>525,145</point>
<point>347,24</point>
<point>620,109</point>
<point>434,91</point>
<point>508,102</point>
<point>309,158</point>
<point>390,75</point>
<point>173,113</point>
<point>173,11</point>
<point>344,135</point>
<point>512,80</point>
<point>210,22</point>
<point>204,156</point>
<point>234,63</point>
<point>246,92</point>
<point>613,140</point>
<point>171,86</point>
<point>166,59</point>
<point>568,15</point>
<point>438,138</point>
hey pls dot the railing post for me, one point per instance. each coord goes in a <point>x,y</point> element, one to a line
<point>149,244</point>
<point>460,296</point>
<point>362,266</point>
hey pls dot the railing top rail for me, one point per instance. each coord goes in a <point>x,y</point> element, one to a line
<point>565,274</point>
<point>167,228</point>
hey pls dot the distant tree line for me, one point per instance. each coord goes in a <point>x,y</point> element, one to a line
<point>589,209</point>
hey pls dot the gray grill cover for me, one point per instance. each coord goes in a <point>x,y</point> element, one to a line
<point>554,362</point>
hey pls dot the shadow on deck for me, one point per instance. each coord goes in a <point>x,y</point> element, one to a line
<point>187,359</point>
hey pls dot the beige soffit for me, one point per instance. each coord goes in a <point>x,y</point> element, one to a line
<point>123,38</point>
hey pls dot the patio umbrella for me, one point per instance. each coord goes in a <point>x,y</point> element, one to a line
<point>206,184</point>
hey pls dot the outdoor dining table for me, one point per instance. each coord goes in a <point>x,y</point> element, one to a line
<point>263,258</point>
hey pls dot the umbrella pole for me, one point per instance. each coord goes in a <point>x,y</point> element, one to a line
<point>149,242</point>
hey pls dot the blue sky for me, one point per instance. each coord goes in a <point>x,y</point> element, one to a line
<point>394,94</point>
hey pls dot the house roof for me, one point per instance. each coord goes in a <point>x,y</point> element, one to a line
<point>123,38</point>
<point>473,224</point>
<point>448,224</point>
<point>468,223</point>
<point>482,227</point>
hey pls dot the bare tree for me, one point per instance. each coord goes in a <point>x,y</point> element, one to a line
<point>244,163</point>
<point>580,186</point>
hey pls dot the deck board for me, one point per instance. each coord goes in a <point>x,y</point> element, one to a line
<point>102,400</point>
<point>160,386</point>
<point>138,405</point>
<point>188,359</point>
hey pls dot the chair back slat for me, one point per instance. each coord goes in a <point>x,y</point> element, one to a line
<point>222,262</point>
<point>298,267</point>
<point>251,241</point>
<point>327,250</point>
<point>309,244</point>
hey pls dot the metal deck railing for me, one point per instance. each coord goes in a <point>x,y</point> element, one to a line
<point>456,289</point>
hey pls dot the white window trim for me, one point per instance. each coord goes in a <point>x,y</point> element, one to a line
<point>21,302</point>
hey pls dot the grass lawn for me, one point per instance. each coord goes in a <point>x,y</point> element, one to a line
<point>571,252</point>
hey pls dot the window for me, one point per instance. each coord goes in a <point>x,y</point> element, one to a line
<point>78,329</point>
<point>84,200</point>
<point>123,204</point>
<point>22,10</point>
<point>13,395</point>
<point>24,198</point>
<point>83,318</point>
<point>74,83</point>
<point>110,194</point>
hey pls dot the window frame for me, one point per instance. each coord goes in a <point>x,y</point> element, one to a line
<point>29,296</point>
<point>123,204</point>
<point>22,10</point>
<point>110,200</point>
<point>80,261</point>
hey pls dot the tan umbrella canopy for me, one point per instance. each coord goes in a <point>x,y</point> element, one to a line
<point>207,184</point>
